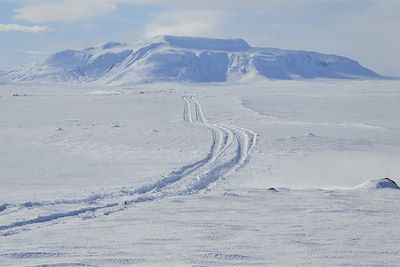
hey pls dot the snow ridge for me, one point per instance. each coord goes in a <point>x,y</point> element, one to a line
<point>205,43</point>
<point>190,59</point>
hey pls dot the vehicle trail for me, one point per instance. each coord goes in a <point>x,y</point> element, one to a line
<point>230,149</point>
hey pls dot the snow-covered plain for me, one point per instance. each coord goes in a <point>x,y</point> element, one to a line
<point>179,174</point>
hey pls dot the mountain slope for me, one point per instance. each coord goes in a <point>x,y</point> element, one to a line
<point>193,59</point>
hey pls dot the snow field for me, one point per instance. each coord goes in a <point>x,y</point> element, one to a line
<point>179,175</point>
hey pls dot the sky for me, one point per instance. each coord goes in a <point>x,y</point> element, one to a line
<point>367,31</point>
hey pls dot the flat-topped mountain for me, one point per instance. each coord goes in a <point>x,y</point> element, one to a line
<point>192,59</point>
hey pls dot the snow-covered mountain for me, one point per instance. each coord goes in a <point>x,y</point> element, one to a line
<point>193,59</point>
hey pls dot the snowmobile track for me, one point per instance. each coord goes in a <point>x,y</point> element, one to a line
<point>230,149</point>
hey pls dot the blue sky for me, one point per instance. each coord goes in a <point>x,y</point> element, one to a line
<point>367,31</point>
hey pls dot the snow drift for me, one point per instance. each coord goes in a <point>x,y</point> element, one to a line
<point>377,184</point>
<point>192,59</point>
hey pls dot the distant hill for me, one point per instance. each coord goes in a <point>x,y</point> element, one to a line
<point>192,59</point>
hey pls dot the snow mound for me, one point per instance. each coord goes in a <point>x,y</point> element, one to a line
<point>311,135</point>
<point>190,59</point>
<point>372,185</point>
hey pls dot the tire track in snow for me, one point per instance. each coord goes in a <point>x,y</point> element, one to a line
<point>234,155</point>
<point>230,149</point>
<point>187,115</point>
<point>54,216</point>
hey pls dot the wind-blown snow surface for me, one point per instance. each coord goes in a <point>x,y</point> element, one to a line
<point>172,58</point>
<point>178,175</point>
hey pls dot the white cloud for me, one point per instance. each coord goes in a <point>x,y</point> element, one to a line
<point>64,10</point>
<point>186,22</point>
<point>21,28</point>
